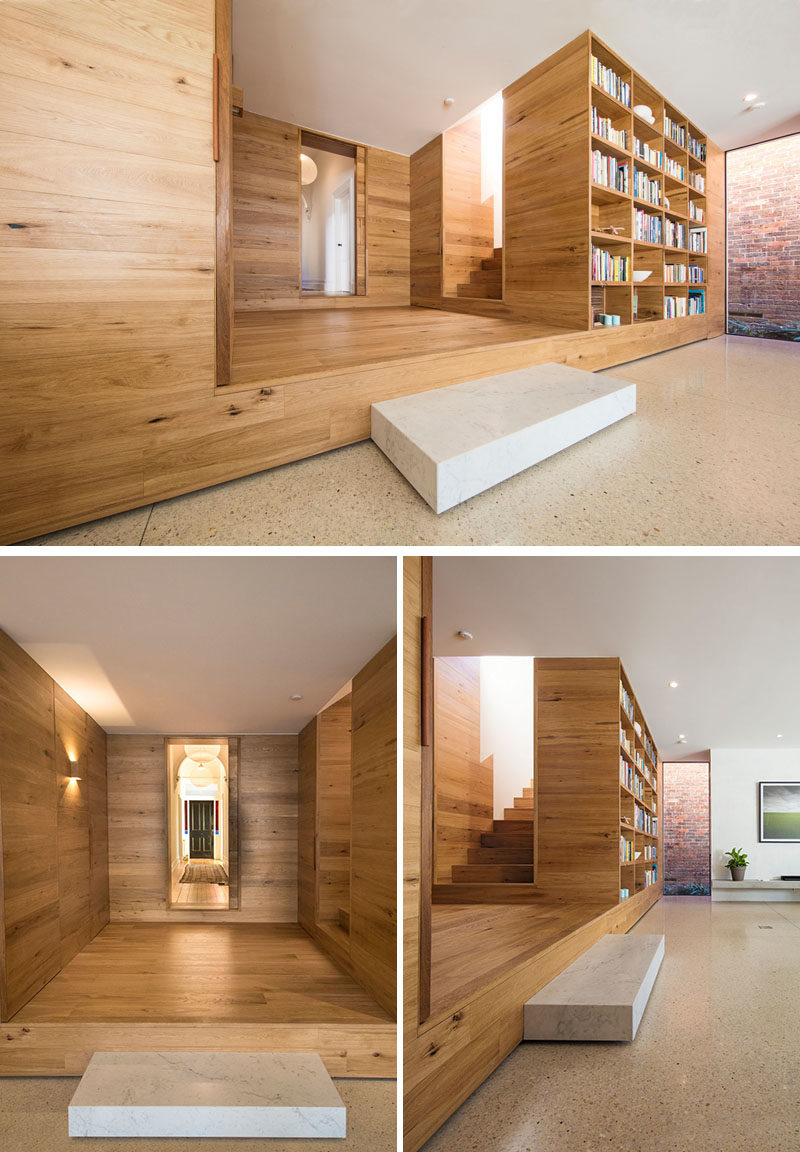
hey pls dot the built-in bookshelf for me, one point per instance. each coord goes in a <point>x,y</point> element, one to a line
<point>648,202</point>
<point>597,779</point>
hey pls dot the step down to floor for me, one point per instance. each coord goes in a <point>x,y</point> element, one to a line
<point>452,443</point>
<point>601,996</point>
<point>195,1094</point>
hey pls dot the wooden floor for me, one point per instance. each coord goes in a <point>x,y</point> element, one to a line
<point>243,973</point>
<point>201,895</point>
<point>282,346</point>
<point>474,944</point>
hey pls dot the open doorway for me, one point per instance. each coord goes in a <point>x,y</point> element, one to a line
<point>687,828</point>
<point>201,830</point>
<point>328,208</point>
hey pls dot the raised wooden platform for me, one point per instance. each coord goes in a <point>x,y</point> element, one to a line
<point>200,987</point>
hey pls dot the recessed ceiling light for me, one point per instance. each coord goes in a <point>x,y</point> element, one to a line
<point>750,96</point>
<point>465,635</point>
<point>673,683</point>
<point>681,738</point>
<point>779,736</point>
<point>296,696</point>
<point>759,104</point>
<point>448,101</point>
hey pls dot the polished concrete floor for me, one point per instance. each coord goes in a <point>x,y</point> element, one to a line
<point>33,1118</point>
<point>714,1066</point>
<point>712,457</point>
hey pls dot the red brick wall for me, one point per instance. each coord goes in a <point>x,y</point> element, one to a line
<point>764,237</point>
<point>687,832</point>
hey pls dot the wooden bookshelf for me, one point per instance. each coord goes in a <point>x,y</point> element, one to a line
<point>660,157</point>
<point>598,783</point>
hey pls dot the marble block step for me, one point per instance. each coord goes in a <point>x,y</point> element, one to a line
<point>452,443</point>
<point>601,996</point>
<point>233,1094</point>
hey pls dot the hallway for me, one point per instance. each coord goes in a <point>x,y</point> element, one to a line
<point>714,1064</point>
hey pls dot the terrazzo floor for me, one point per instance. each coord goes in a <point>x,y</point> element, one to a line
<point>713,1067</point>
<point>33,1118</point>
<point>712,457</point>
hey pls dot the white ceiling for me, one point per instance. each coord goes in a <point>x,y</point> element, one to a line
<point>377,71</point>
<point>199,645</point>
<point>726,628</point>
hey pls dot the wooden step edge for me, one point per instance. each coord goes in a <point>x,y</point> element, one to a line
<point>486,894</point>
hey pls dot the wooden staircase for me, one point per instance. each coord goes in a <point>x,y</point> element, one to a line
<point>486,282</point>
<point>505,855</point>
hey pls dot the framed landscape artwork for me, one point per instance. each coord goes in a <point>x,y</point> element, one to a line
<point>778,812</point>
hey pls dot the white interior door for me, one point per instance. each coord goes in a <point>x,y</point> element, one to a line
<point>344,262</point>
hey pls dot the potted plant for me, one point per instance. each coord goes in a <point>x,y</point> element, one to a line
<point>737,862</point>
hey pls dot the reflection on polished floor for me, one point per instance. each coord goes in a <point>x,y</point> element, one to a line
<point>714,1064</point>
<point>710,458</point>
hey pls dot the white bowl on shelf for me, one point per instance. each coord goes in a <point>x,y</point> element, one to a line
<point>644,112</point>
<point>641,275</point>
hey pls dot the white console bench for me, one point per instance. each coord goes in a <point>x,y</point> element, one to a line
<point>774,891</point>
<point>452,443</point>
<point>601,996</point>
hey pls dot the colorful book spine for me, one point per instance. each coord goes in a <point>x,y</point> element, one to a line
<point>673,168</point>
<point>674,273</point>
<point>674,233</point>
<point>697,274</point>
<point>649,155</point>
<point>649,748</point>
<point>625,773</point>
<point>647,227</point>
<point>606,266</point>
<point>696,212</point>
<point>698,240</point>
<point>625,701</point>
<point>603,126</point>
<point>674,306</point>
<point>697,301</point>
<point>607,79</point>
<point>609,171</point>
<point>697,181</point>
<point>676,132</point>
<point>697,148</point>
<point>645,187</point>
<point>625,850</point>
<point>624,893</point>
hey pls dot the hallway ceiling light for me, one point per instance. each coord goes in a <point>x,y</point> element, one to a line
<point>750,96</point>
<point>296,696</point>
<point>465,635</point>
<point>448,101</point>
<point>202,753</point>
<point>673,683</point>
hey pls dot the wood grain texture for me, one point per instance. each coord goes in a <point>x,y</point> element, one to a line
<point>224,191</point>
<point>468,221</point>
<point>715,207</point>
<point>54,860</point>
<point>426,180</point>
<point>267,784</point>
<point>307,827</point>
<point>373,848</point>
<point>333,809</point>
<point>463,799</point>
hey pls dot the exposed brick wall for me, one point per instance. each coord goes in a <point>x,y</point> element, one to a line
<point>764,238</point>
<point>687,832</point>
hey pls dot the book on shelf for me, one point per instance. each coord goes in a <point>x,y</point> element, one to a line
<point>649,748</point>
<point>696,212</point>
<point>674,233</point>
<point>674,306</point>
<point>625,773</point>
<point>645,187</point>
<point>607,79</point>
<point>674,169</point>
<point>606,266</point>
<point>624,893</point>
<point>609,171</point>
<point>697,274</point>
<point>644,152</point>
<point>698,240</point>
<point>650,876</point>
<point>625,850</point>
<point>697,182</point>
<point>625,701</point>
<point>697,148</point>
<point>697,301</point>
<point>603,126</point>
<point>644,821</point>
<point>675,274</point>
<point>676,132</point>
<point>647,227</point>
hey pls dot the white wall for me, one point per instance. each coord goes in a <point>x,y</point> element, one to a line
<point>319,245</point>
<point>735,775</point>
<point>507,725</point>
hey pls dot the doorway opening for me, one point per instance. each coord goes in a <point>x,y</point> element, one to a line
<point>202,859</point>
<point>687,829</point>
<point>328,212</point>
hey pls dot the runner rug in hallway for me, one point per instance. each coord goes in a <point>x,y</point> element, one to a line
<point>204,872</point>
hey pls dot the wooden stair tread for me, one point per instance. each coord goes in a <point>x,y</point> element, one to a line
<point>492,873</point>
<point>515,854</point>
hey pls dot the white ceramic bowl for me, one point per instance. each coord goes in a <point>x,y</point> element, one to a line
<point>645,112</point>
<point>638,277</point>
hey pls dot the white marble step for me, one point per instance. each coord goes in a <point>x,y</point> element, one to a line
<point>601,996</point>
<point>452,443</point>
<point>233,1094</point>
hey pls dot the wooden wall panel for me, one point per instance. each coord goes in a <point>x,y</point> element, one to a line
<point>54,870</point>
<point>388,228</point>
<point>463,802</point>
<point>266,212</point>
<point>373,848</point>
<point>468,222</point>
<point>425,175</point>
<point>307,827</point>
<point>333,809</point>
<point>223,46</point>
<point>267,831</point>
<point>546,198</point>
<point>716,221</point>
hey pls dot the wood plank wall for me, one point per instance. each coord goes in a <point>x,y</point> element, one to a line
<point>716,221</point>
<point>267,831</point>
<point>468,222</point>
<point>54,858</point>
<point>267,222</point>
<point>546,205</point>
<point>333,809</point>
<point>463,802</point>
<point>426,175</point>
<point>369,951</point>
<point>577,738</point>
